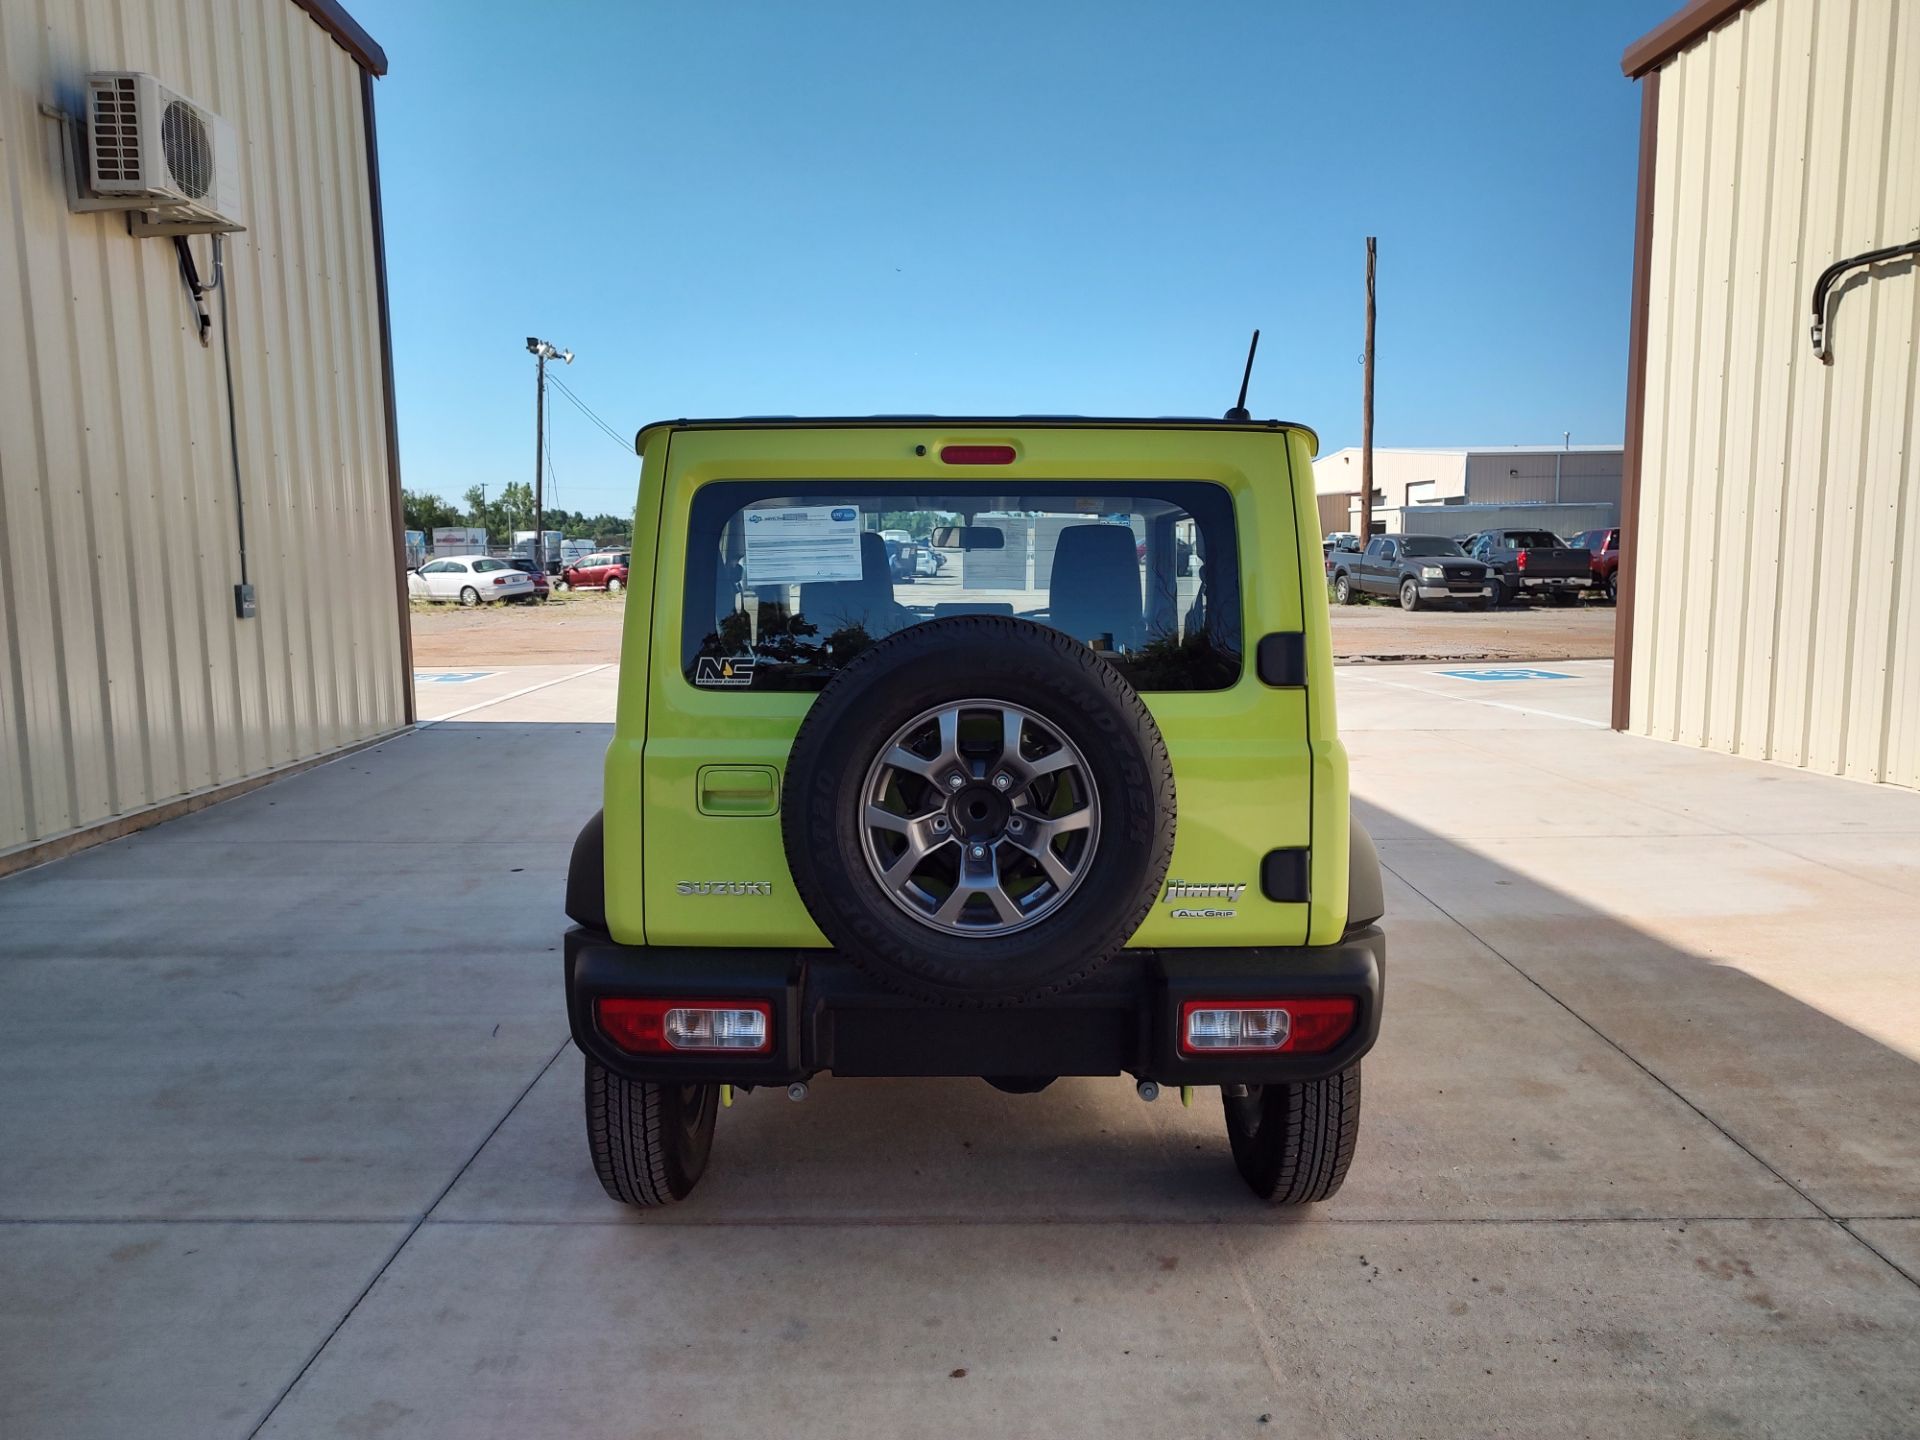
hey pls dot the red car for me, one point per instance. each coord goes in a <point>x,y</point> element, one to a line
<point>602,570</point>
<point>1605,545</point>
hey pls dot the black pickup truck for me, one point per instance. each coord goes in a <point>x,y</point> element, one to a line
<point>1414,569</point>
<point>1532,563</point>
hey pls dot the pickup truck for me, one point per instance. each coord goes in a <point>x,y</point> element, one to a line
<point>1532,563</point>
<point>1414,569</point>
<point>1604,546</point>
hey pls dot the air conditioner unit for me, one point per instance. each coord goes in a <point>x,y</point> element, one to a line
<point>150,148</point>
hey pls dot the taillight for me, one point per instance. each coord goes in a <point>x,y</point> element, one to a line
<point>504,579</point>
<point>1520,560</point>
<point>1305,1026</point>
<point>977,454</point>
<point>661,1027</point>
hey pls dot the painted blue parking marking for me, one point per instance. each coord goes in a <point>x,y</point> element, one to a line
<point>1515,674</point>
<point>452,677</point>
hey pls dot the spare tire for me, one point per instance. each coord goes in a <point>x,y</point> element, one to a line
<point>978,811</point>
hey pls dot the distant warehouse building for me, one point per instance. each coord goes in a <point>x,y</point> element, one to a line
<point>199,497</point>
<point>1770,598</point>
<point>1565,488</point>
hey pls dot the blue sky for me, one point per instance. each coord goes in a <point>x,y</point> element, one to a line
<point>984,208</point>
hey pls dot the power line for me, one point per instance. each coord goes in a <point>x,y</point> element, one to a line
<point>553,475</point>
<point>582,406</point>
<point>586,410</point>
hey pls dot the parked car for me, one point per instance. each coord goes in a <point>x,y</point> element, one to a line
<point>1604,546</point>
<point>541,589</point>
<point>975,809</point>
<point>903,557</point>
<point>1533,563</point>
<point>469,579</point>
<point>1341,540</point>
<point>929,561</point>
<point>602,570</point>
<point>1414,569</point>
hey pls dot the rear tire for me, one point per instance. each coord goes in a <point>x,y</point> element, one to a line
<point>1293,1143</point>
<point>469,596</point>
<point>614,587</point>
<point>1342,590</point>
<point>649,1142</point>
<point>1613,590</point>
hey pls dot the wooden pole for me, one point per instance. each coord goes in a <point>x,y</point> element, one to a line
<point>1366,414</point>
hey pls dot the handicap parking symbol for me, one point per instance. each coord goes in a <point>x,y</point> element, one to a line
<point>1518,673</point>
<point>452,677</point>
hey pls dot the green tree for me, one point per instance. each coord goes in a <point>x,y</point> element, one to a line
<point>425,512</point>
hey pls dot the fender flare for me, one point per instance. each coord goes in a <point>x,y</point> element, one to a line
<point>587,875</point>
<point>1366,892</point>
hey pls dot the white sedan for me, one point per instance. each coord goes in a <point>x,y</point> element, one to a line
<point>470,579</point>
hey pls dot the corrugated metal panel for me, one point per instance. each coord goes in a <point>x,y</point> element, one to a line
<point>1777,612</point>
<point>1538,476</point>
<point>128,680</point>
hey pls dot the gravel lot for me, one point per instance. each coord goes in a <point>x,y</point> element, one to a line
<point>585,627</point>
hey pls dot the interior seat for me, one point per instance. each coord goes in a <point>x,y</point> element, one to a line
<point>1095,589</point>
<point>865,604</point>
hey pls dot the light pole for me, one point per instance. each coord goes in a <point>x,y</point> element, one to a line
<point>542,351</point>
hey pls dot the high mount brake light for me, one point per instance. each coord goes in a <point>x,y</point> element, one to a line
<point>977,454</point>
<point>1306,1026</point>
<point>668,1026</point>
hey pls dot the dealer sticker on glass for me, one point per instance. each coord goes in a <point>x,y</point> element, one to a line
<point>802,544</point>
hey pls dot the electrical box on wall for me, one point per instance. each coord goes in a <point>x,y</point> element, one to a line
<point>152,151</point>
<point>243,606</point>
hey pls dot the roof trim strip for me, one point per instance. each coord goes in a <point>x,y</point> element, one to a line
<point>347,34</point>
<point>1676,32</point>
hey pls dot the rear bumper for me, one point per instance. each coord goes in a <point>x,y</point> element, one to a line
<point>1556,582</point>
<point>829,1016</point>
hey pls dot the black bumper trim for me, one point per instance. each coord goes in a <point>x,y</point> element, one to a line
<point>829,1016</point>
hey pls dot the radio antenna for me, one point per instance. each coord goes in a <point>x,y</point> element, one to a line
<point>1239,411</point>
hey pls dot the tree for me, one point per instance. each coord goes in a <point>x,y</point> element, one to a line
<point>425,512</point>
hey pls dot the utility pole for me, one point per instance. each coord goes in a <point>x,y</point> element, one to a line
<point>542,351</point>
<point>1366,415</point>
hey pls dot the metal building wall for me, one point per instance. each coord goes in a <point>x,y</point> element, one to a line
<point>1777,604</point>
<point>1577,476</point>
<point>128,681</point>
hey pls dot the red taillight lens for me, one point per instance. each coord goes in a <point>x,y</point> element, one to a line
<point>663,1027</point>
<point>1307,1026</point>
<point>1520,560</point>
<point>977,454</point>
<point>505,579</point>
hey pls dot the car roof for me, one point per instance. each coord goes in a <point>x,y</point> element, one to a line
<point>998,422</point>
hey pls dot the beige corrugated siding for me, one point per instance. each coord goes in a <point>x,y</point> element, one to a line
<point>1778,602</point>
<point>128,679</point>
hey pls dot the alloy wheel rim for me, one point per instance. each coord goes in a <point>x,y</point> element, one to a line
<point>979,818</point>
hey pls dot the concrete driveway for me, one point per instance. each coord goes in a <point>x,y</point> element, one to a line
<point>290,1137</point>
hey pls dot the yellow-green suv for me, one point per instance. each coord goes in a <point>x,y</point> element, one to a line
<point>1073,803</point>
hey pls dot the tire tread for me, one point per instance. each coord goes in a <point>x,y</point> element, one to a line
<point>626,1137</point>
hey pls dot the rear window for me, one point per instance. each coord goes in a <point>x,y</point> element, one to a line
<point>482,567</point>
<point>1430,545</point>
<point>797,578</point>
<point>1533,540</point>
